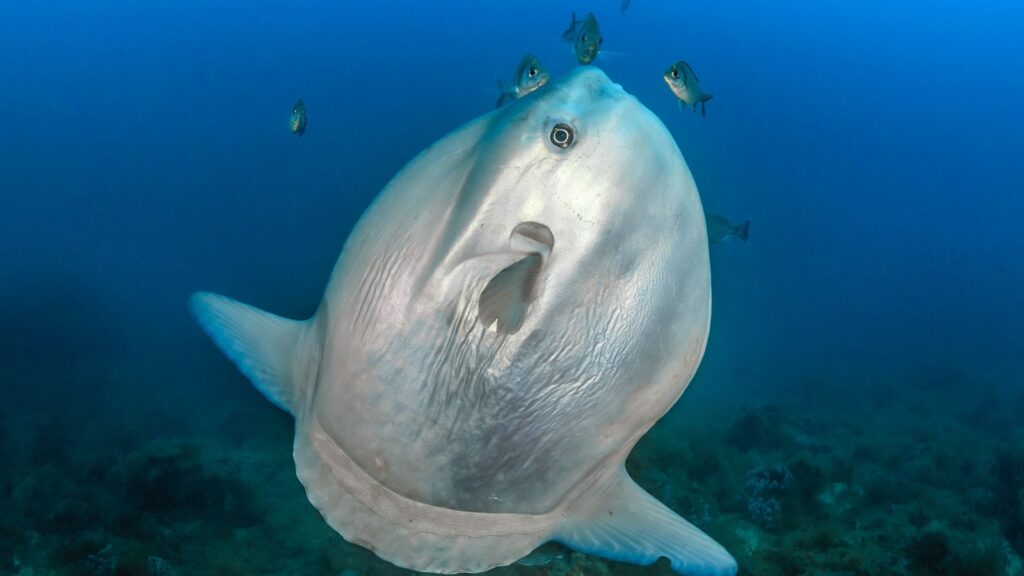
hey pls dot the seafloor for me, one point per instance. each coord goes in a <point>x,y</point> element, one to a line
<point>821,478</point>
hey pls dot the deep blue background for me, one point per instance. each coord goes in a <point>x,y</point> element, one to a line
<point>144,154</point>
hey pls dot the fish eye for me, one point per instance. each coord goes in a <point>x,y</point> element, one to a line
<point>562,135</point>
<point>675,74</point>
<point>584,38</point>
<point>533,72</point>
<point>600,40</point>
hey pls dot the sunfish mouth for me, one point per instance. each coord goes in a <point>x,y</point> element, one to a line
<point>532,237</point>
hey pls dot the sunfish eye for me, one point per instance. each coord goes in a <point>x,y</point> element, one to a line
<point>562,135</point>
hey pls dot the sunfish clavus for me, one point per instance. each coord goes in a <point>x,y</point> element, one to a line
<point>514,311</point>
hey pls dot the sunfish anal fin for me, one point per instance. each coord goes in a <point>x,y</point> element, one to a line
<point>623,522</point>
<point>507,295</point>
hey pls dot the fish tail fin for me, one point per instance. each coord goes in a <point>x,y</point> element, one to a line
<point>275,353</point>
<point>570,33</point>
<point>504,94</point>
<point>703,101</point>
<point>743,230</point>
<point>621,521</point>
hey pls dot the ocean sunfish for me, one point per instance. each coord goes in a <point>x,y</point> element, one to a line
<point>720,229</point>
<point>513,312</point>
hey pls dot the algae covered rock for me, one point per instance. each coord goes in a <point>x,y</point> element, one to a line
<point>171,481</point>
<point>765,488</point>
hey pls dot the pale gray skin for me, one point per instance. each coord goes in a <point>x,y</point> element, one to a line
<point>448,445</point>
<point>437,409</point>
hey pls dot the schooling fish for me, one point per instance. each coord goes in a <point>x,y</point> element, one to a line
<point>297,123</point>
<point>684,84</point>
<point>719,229</point>
<point>530,76</point>
<point>585,37</point>
<point>504,323</point>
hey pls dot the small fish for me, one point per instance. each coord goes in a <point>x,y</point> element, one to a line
<point>684,84</point>
<point>297,123</point>
<point>719,229</point>
<point>625,5</point>
<point>585,37</point>
<point>530,76</point>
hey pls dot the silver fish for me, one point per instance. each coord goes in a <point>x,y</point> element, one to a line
<point>585,37</point>
<point>684,84</point>
<point>530,76</point>
<point>297,122</point>
<point>720,229</point>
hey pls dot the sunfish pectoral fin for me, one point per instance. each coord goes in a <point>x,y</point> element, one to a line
<point>623,522</point>
<point>506,297</point>
<point>267,348</point>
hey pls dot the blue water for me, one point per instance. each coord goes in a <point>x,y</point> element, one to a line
<point>145,154</point>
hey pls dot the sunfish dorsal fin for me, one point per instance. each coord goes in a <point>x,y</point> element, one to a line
<point>267,348</point>
<point>623,522</point>
<point>507,296</point>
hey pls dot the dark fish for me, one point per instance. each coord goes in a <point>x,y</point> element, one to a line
<point>684,84</point>
<point>297,123</point>
<point>625,5</point>
<point>585,36</point>
<point>719,229</point>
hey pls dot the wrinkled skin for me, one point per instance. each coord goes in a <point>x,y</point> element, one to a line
<point>444,410</point>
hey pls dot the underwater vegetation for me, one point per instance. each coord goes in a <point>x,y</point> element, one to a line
<point>1007,475</point>
<point>846,490</point>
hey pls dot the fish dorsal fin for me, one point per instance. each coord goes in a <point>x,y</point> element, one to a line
<point>621,521</point>
<point>570,34</point>
<point>507,295</point>
<point>505,94</point>
<point>270,350</point>
<point>688,73</point>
